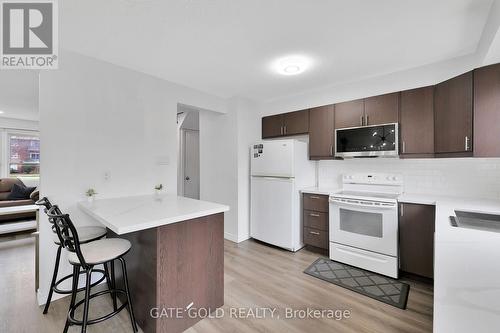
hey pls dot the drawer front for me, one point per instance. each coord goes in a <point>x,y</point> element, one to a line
<point>315,237</point>
<point>316,220</point>
<point>315,202</point>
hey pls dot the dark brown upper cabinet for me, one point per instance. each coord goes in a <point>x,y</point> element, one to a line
<point>350,114</point>
<point>296,122</point>
<point>453,117</point>
<point>376,110</point>
<point>487,111</point>
<point>416,239</point>
<point>272,126</point>
<point>321,132</point>
<point>291,123</point>
<point>416,121</point>
<point>382,109</point>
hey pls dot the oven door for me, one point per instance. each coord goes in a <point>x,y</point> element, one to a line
<point>364,224</point>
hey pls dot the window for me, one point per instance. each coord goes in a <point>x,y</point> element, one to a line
<point>24,155</point>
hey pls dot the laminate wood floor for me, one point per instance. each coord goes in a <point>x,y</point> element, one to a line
<point>256,275</point>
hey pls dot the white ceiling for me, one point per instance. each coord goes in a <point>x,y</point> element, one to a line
<point>225,47</point>
<point>19,94</point>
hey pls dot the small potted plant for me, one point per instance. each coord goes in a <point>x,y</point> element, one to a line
<point>90,193</point>
<point>158,189</point>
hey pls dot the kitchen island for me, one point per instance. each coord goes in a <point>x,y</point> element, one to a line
<point>176,264</point>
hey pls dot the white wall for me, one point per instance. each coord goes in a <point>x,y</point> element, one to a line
<point>466,177</point>
<point>96,118</point>
<point>218,149</point>
<point>249,132</point>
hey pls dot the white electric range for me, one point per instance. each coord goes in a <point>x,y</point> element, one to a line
<point>364,222</point>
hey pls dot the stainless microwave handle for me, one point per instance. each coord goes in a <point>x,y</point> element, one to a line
<point>363,203</point>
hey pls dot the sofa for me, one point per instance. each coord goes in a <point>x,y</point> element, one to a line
<point>6,185</point>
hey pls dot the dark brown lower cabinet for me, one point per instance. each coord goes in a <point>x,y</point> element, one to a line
<point>315,218</point>
<point>416,239</point>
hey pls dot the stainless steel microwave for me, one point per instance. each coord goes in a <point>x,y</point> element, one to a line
<point>367,141</point>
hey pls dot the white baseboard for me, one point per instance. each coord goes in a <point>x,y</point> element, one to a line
<point>231,237</point>
<point>234,238</point>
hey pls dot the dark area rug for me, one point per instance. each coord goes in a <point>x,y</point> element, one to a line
<point>379,287</point>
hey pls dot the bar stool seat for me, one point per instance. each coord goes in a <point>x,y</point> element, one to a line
<point>86,234</point>
<point>101,251</point>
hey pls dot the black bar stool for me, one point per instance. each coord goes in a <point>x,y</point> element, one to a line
<point>87,256</point>
<point>87,234</point>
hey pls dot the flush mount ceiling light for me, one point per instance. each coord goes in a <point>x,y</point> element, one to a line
<point>1,111</point>
<point>291,65</point>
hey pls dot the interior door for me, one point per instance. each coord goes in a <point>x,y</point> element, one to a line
<point>271,210</point>
<point>192,164</point>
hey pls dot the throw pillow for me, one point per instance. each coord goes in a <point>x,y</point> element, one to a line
<point>20,192</point>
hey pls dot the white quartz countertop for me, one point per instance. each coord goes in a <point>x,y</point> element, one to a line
<point>129,214</point>
<point>320,190</point>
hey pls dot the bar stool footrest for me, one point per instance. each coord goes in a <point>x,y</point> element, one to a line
<point>69,276</point>
<point>71,313</point>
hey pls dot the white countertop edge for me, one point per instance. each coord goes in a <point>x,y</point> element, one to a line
<point>320,190</point>
<point>156,223</point>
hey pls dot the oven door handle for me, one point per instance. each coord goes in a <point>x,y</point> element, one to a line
<point>363,203</point>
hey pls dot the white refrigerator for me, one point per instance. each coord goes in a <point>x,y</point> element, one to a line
<point>279,169</point>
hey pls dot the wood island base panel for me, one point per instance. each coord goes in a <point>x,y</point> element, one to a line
<point>176,273</point>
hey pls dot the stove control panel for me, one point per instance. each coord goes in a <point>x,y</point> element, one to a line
<point>373,178</point>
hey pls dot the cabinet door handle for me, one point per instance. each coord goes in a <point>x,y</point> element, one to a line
<point>401,210</point>
<point>331,150</point>
<point>404,147</point>
<point>366,120</point>
<point>466,143</point>
<point>313,197</point>
<point>281,130</point>
<point>314,232</point>
<point>314,215</point>
<point>361,120</point>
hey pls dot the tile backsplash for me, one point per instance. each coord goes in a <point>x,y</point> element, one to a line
<point>467,177</point>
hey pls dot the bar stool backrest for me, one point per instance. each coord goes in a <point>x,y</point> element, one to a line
<point>45,202</point>
<point>66,232</point>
